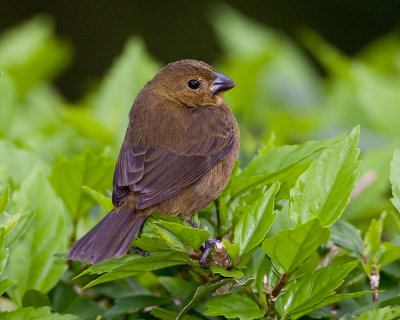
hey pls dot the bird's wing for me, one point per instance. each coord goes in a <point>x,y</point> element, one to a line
<point>158,173</point>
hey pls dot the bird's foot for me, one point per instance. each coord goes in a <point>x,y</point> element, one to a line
<point>220,256</point>
<point>140,251</point>
<point>208,246</point>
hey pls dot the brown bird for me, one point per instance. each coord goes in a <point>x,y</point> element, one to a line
<point>178,154</point>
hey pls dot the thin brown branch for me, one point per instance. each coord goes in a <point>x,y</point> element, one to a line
<point>374,281</point>
<point>255,297</point>
<point>271,314</point>
<point>333,251</point>
<point>281,283</point>
<point>194,255</point>
<point>203,277</point>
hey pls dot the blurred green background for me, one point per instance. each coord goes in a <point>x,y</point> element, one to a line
<point>69,74</point>
<point>303,71</point>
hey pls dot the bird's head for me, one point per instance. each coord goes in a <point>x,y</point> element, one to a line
<point>192,83</point>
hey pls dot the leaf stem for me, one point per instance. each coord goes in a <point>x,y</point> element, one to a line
<point>255,298</point>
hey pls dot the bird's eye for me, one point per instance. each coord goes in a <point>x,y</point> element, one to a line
<point>193,84</point>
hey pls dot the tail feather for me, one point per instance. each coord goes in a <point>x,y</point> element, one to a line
<point>110,238</point>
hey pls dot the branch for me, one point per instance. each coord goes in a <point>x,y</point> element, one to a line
<point>281,283</point>
<point>374,281</point>
<point>271,314</point>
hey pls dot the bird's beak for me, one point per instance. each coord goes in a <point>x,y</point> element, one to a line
<point>221,83</point>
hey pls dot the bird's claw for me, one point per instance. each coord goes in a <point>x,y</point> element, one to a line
<point>208,246</point>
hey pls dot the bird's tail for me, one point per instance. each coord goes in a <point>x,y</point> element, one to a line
<point>110,238</point>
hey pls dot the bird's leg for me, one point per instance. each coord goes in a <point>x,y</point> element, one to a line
<point>208,245</point>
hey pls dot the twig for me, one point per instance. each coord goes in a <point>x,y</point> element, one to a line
<point>271,314</point>
<point>203,277</point>
<point>255,297</point>
<point>281,283</point>
<point>363,183</point>
<point>194,255</point>
<point>333,251</point>
<point>374,281</point>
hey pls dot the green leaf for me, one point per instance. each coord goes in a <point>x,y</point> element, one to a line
<point>65,299</point>
<point>4,200</point>
<point>233,306</point>
<point>347,236</point>
<point>329,301</point>
<point>7,103</point>
<point>8,222</point>
<point>282,220</point>
<point>310,289</point>
<point>264,167</point>
<point>395,179</point>
<point>254,224</point>
<point>386,313</point>
<point>200,293</point>
<point>4,285</point>
<point>168,237</point>
<point>178,287</point>
<point>232,249</point>
<point>133,304</point>
<point>290,248</point>
<point>15,225</point>
<point>128,74</point>
<point>372,238</point>
<point>165,314</point>
<point>151,244</point>
<point>324,189</point>
<point>19,163</point>
<point>189,235</point>
<point>101,199</point>
<point>31,313</point>
<point>34,298</point>
<point>227,273</point>
<point>390,253</point>
<point>69,175</point>
<point>129,265</point>
<point>32,263</point>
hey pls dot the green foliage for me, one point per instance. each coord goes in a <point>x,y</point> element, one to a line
<point>254,225</point>
<point>302,219</point>
<point>233,306</point>
<point>36,314</point>
<point>309,290</point>
<point>69,176</point>
<point>320,189</point>
<point>32,263</point>
<point>386,313</point>
<point>289,248</point>
<point>395,179</point>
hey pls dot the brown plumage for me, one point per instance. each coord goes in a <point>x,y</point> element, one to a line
<point>178,154</point>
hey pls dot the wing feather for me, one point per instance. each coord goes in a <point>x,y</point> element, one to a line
<point>158,173</point>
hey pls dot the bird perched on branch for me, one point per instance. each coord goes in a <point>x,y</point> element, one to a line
<point>178,154</point>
